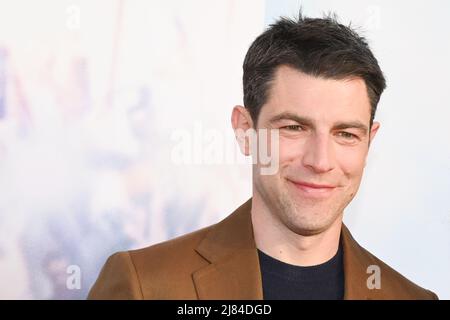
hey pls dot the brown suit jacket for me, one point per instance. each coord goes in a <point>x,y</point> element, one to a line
<point>221,262</point>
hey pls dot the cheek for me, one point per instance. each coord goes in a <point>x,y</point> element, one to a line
<point>290,150</point>
<point>351,162</point>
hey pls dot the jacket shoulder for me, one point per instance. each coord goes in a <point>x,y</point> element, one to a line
<point>160,271</point>
<point>164,270</point>
<point>396,286</point>
<point>117,280</point>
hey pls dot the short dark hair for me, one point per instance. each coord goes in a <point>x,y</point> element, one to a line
<point>320,47</point>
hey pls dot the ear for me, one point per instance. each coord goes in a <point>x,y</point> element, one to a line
<point>373,131</point>
<point>242,122</point>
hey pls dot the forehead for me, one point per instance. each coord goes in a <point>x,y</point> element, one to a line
<point>317,97</point>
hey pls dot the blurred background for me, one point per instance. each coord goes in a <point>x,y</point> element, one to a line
<point>115,132</point>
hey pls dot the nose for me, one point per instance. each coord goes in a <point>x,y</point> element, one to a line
<point>318,154</point>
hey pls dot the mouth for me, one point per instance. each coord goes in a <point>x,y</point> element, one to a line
<point>313,190</point>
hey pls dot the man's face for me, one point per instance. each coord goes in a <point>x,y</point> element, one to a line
<point>323,143</point>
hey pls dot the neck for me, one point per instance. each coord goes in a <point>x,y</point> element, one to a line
<point>278,241</point>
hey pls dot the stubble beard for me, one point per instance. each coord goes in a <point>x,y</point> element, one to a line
<point>298,215</point>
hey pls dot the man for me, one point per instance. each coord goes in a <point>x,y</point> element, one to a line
<point>316,84</point>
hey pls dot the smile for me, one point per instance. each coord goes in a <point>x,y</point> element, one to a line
<point>312,190</point>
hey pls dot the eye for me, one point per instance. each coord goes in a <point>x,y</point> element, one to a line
<point>293,127</point>
<point>347,135</point>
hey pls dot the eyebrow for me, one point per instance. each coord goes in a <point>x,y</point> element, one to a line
<point>310,123</point>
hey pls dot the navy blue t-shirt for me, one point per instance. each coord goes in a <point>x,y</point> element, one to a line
<point>283,281</point>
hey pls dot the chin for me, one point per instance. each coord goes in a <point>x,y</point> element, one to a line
<point>309,223</point>
<point>309,229</point>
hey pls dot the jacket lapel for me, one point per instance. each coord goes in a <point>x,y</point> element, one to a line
<point>356,262</point>
<point>233,272</point>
